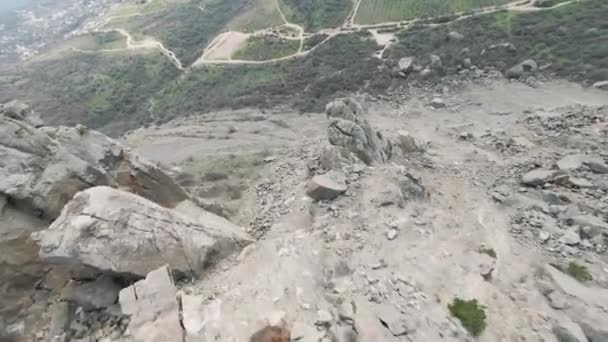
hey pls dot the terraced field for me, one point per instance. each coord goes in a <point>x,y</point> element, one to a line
<point>314,15</point>
<point>379,11</point>
<point>258,15</point>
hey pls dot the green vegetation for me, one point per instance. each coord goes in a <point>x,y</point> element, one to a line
<point>470,313</point>
<point>342,65</point>
<point>576,271</point>
<point>258,15</point>
<point>560,36</point>
<point>488,251</point>
<point>184,28</point>
<point>378,11</point>
<point>98,90</point>
<point>314,40</point>
<point>316,14</point>
<point>267,47</point>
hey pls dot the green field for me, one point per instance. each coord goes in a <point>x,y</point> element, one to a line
<point>257,15</point>
<point>267,47</point>
<point>316,14</point>
<point>378,11</point>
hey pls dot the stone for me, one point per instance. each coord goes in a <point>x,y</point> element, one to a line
<point>593,296</point>
<point>580,183</point>
<point>391,234</point>
<point>601,85</point>
<point>538,177</point>
<point>61,316</point>
<point>349,128</point>
<point>437,103</point>
<point>120,232</point>
<point>42,168</point>
<point>324,317</point>
<point>200,319</point>
<point>571,162</point>
<point>570,238</point>
<point>153,307</point>
<point>426,72</point>
<point>20,111</point>
<point>406,64</point>
<point>392,319</point>
<point>97,294</point>
<point>435,61</point>
<point>590,225</point>
<point>453,35</point>
<point>555,198</point>
<point>568,331</point>
<point>524,68</point>
<point>327,186</point>
<point>597,166</point>
<point>343,333</point>
<point>543,236</point>
<point>557,300</point>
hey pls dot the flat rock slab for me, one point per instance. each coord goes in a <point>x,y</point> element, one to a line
<point>153,307</point>
<point>327,186</point>
<point>538,177</point>
<point>119,232</point>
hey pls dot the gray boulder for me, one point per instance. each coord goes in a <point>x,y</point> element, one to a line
<point>20,111</point>
<point>121,233</point>
<point>348,128</point>
<point>154,308</point>
<point>524,68</point>
<point>590,226</point>
<point>601,85</point>
<point>406,64</point>
<point>327,186</point>
<point>42,168</point>
<point>456,36</point>
<point>538,177</point>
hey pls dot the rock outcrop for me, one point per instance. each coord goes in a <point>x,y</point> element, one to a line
<point>42,168</point>
<point>348,128</point>
<point>119,232</point>
<point>154,309</point>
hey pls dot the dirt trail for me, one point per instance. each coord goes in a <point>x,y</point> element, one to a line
<point>223,46</point>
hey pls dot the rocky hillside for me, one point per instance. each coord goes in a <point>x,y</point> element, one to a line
<point>444,214</point>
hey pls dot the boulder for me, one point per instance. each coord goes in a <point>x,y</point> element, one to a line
<point>406,64</point>
<point>348,128</point>
<point>437,103</point>
<point>42,168</point>
<point>121,233</point>
<point>455,36</point>
<point>571,162</point>
<point>590,226</point>
<point>20,111</point>
<point>327,186</point>
<point>538,177</point>
<point>524,68</point>
<point>597,165</point>
<point>601,85</point>
<point>153,307</point>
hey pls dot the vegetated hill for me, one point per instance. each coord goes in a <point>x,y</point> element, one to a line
<point>314,15</point>
<point>572,39</point>
<point>118,91</point>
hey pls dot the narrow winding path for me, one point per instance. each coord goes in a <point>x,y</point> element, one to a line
<point>348,27</point>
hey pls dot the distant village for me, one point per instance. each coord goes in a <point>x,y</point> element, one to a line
<point>24,34</point>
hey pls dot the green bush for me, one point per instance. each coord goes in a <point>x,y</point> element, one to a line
<point>470,313</point>
<point>488,251</point>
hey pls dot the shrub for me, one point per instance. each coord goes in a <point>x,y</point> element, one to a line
<point>470,313</point>
<point>488,251</point>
